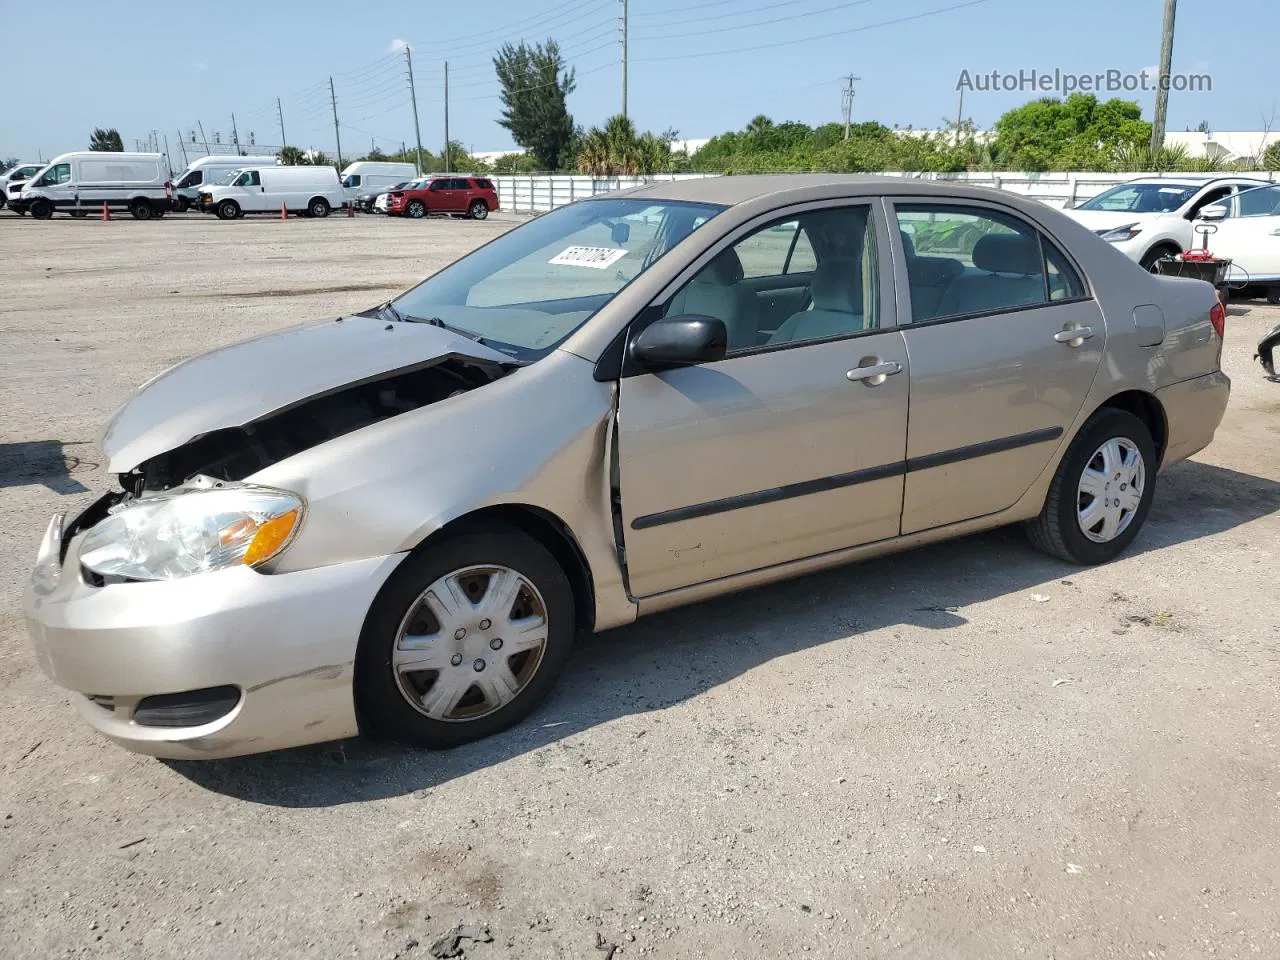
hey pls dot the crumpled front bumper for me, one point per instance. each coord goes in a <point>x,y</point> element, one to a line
<point>286,642</point>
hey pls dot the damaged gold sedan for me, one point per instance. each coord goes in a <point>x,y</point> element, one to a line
<point>397,522</point>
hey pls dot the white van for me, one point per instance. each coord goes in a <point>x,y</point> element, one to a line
<point>11,180</point>
<point>310,190</point>
<point>80,183</point>
<point>213,171</point>
<point>373,176</point>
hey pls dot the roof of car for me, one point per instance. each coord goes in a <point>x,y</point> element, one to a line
<point>1192,181</point>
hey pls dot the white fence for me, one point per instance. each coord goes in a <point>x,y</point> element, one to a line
<point>540,193</point>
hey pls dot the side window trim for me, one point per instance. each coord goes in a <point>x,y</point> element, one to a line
<point>899,254</point>
<point>885,281</point>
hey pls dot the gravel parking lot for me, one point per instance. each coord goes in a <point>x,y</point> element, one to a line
<point>966,751</point>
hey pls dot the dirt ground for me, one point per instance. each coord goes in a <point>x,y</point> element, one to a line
<point>966,751</point>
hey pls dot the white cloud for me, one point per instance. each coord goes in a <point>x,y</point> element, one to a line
<point>397,45</point>
<point>201,66</point>
<point>1152,71</point>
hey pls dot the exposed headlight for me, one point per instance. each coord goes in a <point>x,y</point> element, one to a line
<point>1120,234</point>
<point>193,531</point>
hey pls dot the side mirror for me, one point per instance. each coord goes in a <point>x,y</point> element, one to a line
<point>680,342</point>
<point>620,233</point>
<point>1214,212</point>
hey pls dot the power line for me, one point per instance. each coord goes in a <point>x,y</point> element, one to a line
<point>539,86</point>
<point>685,9</point>
<point>758,23</point>
<point>585,53</point>
<point>542,21</point>
<point>821,36</point>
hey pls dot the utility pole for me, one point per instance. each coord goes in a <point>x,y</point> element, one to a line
<point>413,97</point>
<point>624,57</point>
<point>204,139</point>
<point>333,100</point>
<point>235,135</point>
<point>847,101</point>
<point>1162,90</point>
<point>959,116</point>
<point>447,165</point>
<point>168,160</point>
<point>280,114</point>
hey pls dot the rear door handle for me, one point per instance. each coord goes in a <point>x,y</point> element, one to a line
<point>874,373</point>
<point>1074,336</point>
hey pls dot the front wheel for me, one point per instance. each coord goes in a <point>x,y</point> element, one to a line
<point>182,205</point>
<point>1152,257</point>
<point>479,210</point>
<point>41,209</point>
<point>415,209</point>
<point>1102,491</point>
<point>464,640</point>
<point>1273,295</point>
<point>318,207</point>
<point>228,210</point>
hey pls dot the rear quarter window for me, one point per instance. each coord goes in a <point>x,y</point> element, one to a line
<point>482,184</point>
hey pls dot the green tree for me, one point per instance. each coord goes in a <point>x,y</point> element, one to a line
<point>291,157</point>
<point>1073,134</point>
<point>107,141</point>
<point>1271,158</point>
<point>535,86</point>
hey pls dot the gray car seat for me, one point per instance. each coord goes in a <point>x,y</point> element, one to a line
<point>1009,273</point>
<point>717,292</point>
<point>836,295</point>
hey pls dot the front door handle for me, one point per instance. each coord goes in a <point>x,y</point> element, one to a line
<point>872,371</point>
<point>1073,336</point>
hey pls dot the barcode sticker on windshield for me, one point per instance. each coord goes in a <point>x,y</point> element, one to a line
<point>597,258</point>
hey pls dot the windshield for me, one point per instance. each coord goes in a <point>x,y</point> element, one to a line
<point>1263,202</point>
<point>529,289</point>
<point>1142,198</point>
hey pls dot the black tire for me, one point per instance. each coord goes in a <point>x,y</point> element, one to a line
<point>158,211</point>
<point>1148,261</point>
<point>40,209</point>
<point>318,207</point>
<point>228,210</point>
<point>181,204</point>
<point>1273,295</point>
<point>1057,531</point>
<point>4,200</point>
<point>478,210</point>
<point>142,210</point>
<point>383,710</point>
<point>415,209</point>
<point>78,214</point>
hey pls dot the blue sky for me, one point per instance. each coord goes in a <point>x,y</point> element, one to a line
<point>177,64</point>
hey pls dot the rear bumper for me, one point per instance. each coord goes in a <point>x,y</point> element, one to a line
<point>1193,409</point>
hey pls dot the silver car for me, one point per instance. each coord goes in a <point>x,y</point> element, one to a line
<point>397,522</point>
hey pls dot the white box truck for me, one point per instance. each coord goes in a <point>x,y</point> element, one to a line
<point>212,171</point>
<point>308,189</point>
<point>374,176</point>
<point>80,183</point>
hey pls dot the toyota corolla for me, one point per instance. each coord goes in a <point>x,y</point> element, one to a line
<point>397,522</point>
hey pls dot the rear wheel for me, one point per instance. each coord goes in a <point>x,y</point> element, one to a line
<point>479,210</point>
<point>228,210</point>
<point>318,207</point>
<point>415,209</point>
<point>1102,491</point>
<point>41,209</point>
<point>1273,295</point>
<point>141,209</point>
<point>465,639</point>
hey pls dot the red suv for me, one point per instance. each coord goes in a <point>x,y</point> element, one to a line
<point>472,196</point>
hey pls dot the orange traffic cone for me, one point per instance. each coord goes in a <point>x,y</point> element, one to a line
<point>106,211</point>
<point>284,214</point>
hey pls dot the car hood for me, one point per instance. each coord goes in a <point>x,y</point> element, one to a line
<point>1106,219</point>
<point>246,381</point>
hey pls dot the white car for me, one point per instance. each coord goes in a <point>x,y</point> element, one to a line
<point>1248,233</point>
<point>313,190</point>
<point>1150,219</point>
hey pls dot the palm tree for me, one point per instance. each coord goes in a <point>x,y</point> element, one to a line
<point>624,155</point>
<point>593,154</point>
<point>106,140</point>
<point>291,156</point>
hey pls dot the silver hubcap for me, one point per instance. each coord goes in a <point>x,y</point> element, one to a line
<point>1110,490</point>
<point>470,643</point>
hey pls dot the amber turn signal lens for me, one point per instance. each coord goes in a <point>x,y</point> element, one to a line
<point>271,538</point>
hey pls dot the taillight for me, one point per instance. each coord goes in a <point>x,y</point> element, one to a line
<point>1218,317</point>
